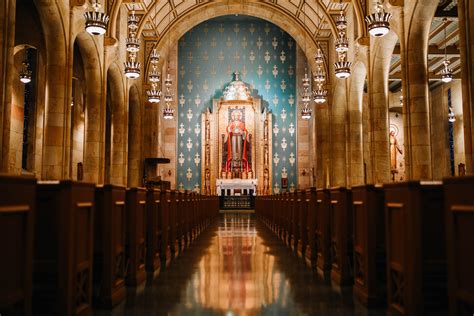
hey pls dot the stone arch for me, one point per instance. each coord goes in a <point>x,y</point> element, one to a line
<point>418,157</point>
<point>93,65</point>
<point>115,152</point>
<point>57,90</point>
<point>281,19</point>
<point>23,151</point>
<point>134,137</point>
<point>381,56</point>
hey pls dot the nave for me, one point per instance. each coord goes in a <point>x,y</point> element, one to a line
<point>238,267</point>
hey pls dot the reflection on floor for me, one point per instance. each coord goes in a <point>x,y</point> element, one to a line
<point>238,267</point>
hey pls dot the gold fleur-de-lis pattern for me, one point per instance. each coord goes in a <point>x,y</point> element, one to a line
<point>265,56</point>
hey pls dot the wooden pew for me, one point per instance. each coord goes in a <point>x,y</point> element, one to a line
<point>63,248</point>
<point>165,254</point>
<point>323,231</point>
<point>187,218</point>
<point>135,236</point>
<point>302,224</point>
<point>173,241</point>
<point>416,248</point>
<point>109,245</point>
<point>153,232</point>
<point>17,212</point>
<point>341,236</point>
<point>310,226</point>
<point>370,279</point>
<point>287,216</point>
<point>459,214</point>
<point>294,209</point>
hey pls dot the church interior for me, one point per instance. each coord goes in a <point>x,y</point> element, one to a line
<point>198,157</point>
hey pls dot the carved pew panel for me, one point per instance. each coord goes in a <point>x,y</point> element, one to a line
<point>459,214</point>
<point>370,282</point>
<point>165,254</point>
<point>135,236</point>
<point>310,226</point>
<point>341,236</point>
<point>416,248</point>
<point>63,248</point>
<point>109,245</point>
<point>153,232</point>
<point>323,231</point>
<point>17,212</point>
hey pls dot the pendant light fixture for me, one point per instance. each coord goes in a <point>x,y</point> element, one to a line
<point>306,111</point>
<point>342,67</point>
<point>319,95</point>
<point>25,71</point>
<point>132,66</point>
<point>378,23</point>
<point>446,73</point>
<point>168,111</point>
<point>154,94</point>
<point>96,22</point>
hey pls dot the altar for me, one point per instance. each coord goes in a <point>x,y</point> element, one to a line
<point>236,187</point>
<point>236,139</point>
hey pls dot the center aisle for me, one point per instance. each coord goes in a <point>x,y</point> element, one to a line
<point>237,267</point>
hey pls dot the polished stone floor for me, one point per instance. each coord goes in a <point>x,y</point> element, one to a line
<point>238,267</point>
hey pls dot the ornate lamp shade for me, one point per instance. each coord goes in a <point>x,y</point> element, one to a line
<point>133,44</point>
<point>446,73</point>
<point>25,73</point>
<point>154,95</point>
<point>378,23</point>
<point>342,69</point>
<point>168,113</point>
<point>132,69</point>
<point>96,22</point>
<point>342,43</point>
<point>319,96</point>
<point>306,113</point>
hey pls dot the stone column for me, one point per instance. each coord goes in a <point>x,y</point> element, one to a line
<point>415,88</point>
<point>356,155</point>
<point>381,52</point>
<point>7,42</point>
<point>466,45</point>
<point>338,115</point>
<point>57,88</point>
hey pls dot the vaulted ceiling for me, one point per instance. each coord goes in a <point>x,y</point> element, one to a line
<point>157,15</point>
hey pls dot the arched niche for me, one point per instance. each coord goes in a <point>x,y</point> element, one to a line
<point>23,121</point>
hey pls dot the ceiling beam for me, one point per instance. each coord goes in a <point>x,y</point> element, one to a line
<point>451,50</point>
<point>431,76</point>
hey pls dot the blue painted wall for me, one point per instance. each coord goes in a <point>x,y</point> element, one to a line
<point>265,56</point>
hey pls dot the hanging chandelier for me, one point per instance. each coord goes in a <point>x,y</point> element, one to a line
<point>378,23</point>
<point>154,94</point>
<point>342,68</point>
<point>319,95</point>
<point>306,97</point>
<point>96,22</point>
<point>168,111</point>
<point>451,116</point>
<point>319,57</point>
<point>25,71</point>
<point>132,66</point>
<point>446,73</point>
